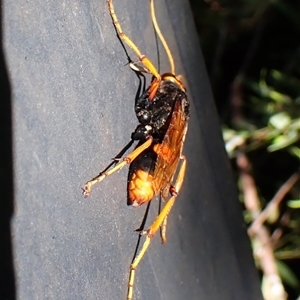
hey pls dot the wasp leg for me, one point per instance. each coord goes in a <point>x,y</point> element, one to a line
<point>145,60</point>
<point>163,230</point>
<point>126,160</point>
<point>161,37</point>
<point>163,227</point>
<point>137,68</point>
<point>155,226</point>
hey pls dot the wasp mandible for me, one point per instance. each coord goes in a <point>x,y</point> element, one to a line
<point>163,112</point>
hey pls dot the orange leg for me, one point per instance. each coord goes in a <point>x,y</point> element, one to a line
<point>159,221</point>
<point>163,229</point>
<point>146,61</point>
<point>126,160</point>
<point>149,67</point>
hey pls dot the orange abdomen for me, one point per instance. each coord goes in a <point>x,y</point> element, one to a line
<point>140,188</point>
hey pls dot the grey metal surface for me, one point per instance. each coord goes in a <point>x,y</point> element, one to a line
<point>72,101</point>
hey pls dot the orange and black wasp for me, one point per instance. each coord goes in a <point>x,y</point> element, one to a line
<point>162,111</point>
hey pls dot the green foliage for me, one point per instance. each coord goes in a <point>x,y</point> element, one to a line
<point>252,53</point>
<point>273,121</point>
<point>272,124</point>
<point>287,275</point>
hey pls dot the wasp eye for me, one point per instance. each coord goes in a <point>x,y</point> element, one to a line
<point>141,132</point>
<point>144,117</point>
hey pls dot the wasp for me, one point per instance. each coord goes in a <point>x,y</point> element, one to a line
<point>162,111</point>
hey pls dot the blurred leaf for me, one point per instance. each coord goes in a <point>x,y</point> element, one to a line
<point>282,80</point>
<point>277,75</point>
<point>233,143</point>
<point>295,151</point>
<point>294,203</point>
<point>280,121</point>
<point>287,275</point>
<point>228,133</point>
<point>287,254</point>
<point>296,124</point>
<point>282,141</point>
<point>268,92</point>
<point>273,215</point>
<point>247,217</point>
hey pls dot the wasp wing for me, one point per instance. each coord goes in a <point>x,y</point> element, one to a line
<point>169,151</point>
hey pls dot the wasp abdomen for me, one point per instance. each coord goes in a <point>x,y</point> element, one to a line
<point>140,188</point>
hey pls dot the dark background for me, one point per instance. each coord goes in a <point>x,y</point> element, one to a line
<point>251,51</point>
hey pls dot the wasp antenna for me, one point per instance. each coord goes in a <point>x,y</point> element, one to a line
<point>161,37</point>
